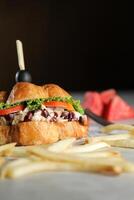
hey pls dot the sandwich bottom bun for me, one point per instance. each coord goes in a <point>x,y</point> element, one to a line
<point>4,134</point>
<point>35,132</point>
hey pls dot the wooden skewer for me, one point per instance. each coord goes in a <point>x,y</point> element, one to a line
<point>20,55</point>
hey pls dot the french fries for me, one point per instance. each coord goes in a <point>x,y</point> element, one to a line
<point>92,155</point>
<point>101,165</point>
<point>111,166</point>
<point>125,140</point>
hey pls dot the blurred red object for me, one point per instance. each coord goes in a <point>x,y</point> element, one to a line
<point>108,95</point>
<point>118,109</point>
<point>108,105</point>
<point>92,101</point>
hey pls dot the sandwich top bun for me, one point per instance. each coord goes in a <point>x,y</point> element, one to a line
<point>23,91</point>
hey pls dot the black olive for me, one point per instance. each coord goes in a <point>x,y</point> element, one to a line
<point>71,116</point>
<point>55,114</point>
<point>23,76</point>
<point>81,120</point>
<point>28,117</point>
<point>64,115</point>
<point>53,119</point>
<point>45,113</point>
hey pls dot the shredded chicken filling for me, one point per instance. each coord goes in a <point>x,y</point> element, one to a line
<point>43,114</point>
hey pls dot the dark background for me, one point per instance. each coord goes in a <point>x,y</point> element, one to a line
<point>83,45</point>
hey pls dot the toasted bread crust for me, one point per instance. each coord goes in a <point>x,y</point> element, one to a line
<point>54,90</point>
<point>4,134</point>
<point>31,133</point>
<point>23,91</point>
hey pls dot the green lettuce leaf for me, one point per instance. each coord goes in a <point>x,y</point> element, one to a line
<point>35,104</point>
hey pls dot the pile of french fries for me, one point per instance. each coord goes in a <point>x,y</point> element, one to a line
<point>94,154</point>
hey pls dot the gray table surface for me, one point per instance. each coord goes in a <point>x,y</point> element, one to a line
<point>73,186</point>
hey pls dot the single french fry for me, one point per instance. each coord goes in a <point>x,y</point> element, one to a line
<point>87,147</point>
<point>128,167</point>
<point>100,154</point>
<point>110,128</point>
<point>1,161</point>
<point>33,167</point>
<point>107,138</point>
<point>61,145</point>
<point>128,143</point>
<point>20,151</point>
<point>7,146</point>
<point>13,164</point>
<point>7,149</point>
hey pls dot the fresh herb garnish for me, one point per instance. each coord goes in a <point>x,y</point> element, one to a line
<point>6,105</point>
<point>34,104</point>
<point>77,106</point>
